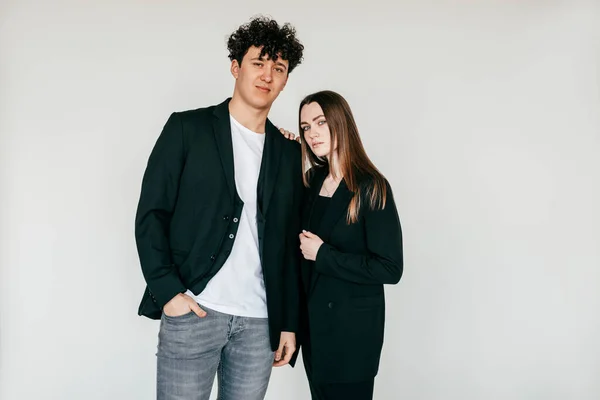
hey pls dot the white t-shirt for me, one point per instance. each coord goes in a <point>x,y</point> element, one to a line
<point>239,288</point>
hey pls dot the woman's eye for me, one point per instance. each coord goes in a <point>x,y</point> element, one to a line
<point>321,122</point>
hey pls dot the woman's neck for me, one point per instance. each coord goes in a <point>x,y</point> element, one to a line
<point>335,169</point>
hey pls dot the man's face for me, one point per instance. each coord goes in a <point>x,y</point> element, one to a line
<point>259,80</point>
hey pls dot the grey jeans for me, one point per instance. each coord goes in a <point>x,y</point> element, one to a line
<point>191,350</point>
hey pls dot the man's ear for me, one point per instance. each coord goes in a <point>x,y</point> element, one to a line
<point>235,69</point>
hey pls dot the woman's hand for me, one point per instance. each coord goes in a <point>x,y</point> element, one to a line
<point>310,244</point>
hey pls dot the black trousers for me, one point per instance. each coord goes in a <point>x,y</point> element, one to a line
<point>336,391</point>
<point>342,391</point>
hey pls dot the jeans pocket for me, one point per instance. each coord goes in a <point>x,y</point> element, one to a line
<point>178,318</point>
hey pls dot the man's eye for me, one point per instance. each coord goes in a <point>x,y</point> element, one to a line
<point>280,70</point>
<point>258,64</point>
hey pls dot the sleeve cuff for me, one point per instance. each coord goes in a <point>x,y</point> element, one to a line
<point>165,288</point>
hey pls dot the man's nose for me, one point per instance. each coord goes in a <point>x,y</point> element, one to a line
<point>266,76</point>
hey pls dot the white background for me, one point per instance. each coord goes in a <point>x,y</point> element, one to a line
<point>484,115</point>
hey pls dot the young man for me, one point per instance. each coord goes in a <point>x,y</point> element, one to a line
<point>217,230</point>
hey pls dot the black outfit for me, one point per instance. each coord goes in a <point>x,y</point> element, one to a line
<point>344,308</point>
<point>188,213</point>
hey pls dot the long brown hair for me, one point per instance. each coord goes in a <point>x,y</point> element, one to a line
<point>357,169</point>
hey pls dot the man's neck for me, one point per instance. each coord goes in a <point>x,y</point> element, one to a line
<point>252,118</point>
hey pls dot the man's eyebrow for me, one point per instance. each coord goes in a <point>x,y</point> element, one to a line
<point>260,58</point>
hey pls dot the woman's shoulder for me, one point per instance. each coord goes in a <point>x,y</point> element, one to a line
<point>375,190</point>
<point>367,182</point>
<point>313,172</point>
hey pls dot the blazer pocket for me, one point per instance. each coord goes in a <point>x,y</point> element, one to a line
<point>367,302</point>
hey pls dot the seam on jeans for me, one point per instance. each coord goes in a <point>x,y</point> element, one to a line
<point>220,394</point>
<point>236,326</point>
<point>230,327</point>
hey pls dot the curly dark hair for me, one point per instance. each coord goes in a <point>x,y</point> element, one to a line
<point>276,41</point>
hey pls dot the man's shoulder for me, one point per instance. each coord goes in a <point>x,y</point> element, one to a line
<point>292,146</point>
<point>199,114</point>
<point>196,114</point>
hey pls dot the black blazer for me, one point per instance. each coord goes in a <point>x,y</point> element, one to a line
<point>343,289</point>
<point>188,211</point>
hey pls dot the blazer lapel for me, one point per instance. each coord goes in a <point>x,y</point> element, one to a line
<point>313,192</point>
<point>307,267</point>
<point>222,131</point>
<point>337,209</point>
<point>269,167</point>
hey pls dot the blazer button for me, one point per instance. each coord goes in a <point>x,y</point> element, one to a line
<point>231,236</point>
<point>235,220</point>
<point>330,305</point>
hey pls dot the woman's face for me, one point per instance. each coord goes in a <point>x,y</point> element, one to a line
<point>315,130</point>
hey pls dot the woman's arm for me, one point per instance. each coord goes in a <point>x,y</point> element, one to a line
<point>384,262</point>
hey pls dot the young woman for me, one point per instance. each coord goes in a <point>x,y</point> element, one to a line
<point>351,245</point>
